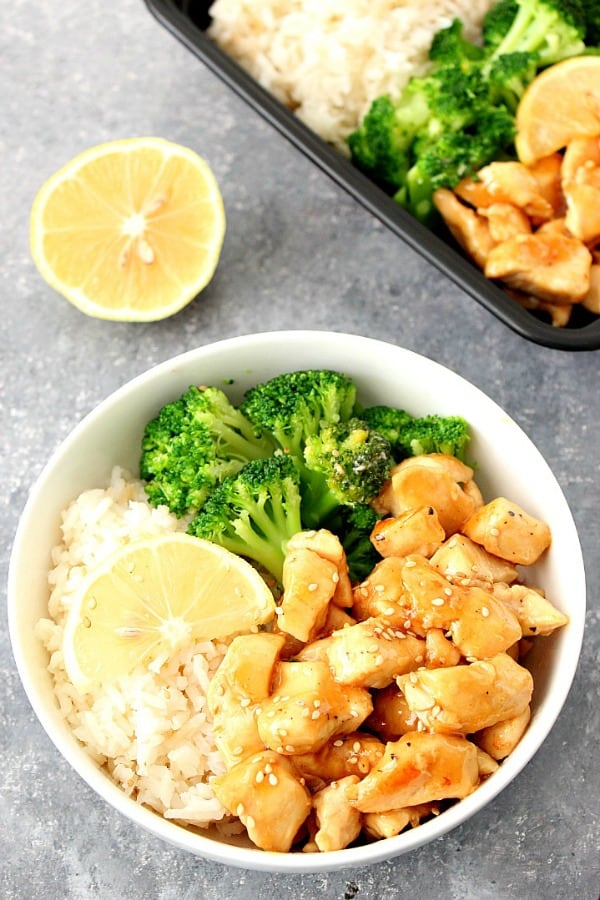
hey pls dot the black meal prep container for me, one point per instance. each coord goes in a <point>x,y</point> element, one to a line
<point>187,20</point>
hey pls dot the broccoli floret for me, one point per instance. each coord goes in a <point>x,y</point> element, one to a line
<point>413,435</point>
<point>437,434</point>
<point>390,422</point>
<point>351,463</point>
<point>353,525</point>
<point>193,443</point>
<point>497,23</point>
<point>464,129</point>
<point>381,146</point>
<point>508,76</point>
<point>255,512</point>
<point>453,156</point>
<point>292,406</point>
<point>553,30</point>
<point>450,46</point>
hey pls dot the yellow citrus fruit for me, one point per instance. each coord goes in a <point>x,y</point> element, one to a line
<point>130,230</point>
<point>154,597</point>
<point>561,104</point>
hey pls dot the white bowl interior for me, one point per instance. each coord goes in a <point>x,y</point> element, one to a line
<point>508,464</point>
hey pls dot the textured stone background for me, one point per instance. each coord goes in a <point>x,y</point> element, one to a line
<point>298,253</point>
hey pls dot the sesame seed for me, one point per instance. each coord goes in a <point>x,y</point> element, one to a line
<point>278,611</point>
<point>260,776</point>
<point>316,703</point>
<point>238,751</point>
<point>437,601</point>
<point>313,586</point>
<point>373,648</point>
<point>379,588</point>
<point>315,714</point>
<point>245,701</point>
<point>356,746</point>
<point>410,563</point>
<point>289,748</point>
<point>338,743</point>
<point>354,714</point>
<point>335,577</point>
<point>250,823</point>
<point>494,532</point>
<point>485,612</point>
<point>389,611</point>
<point>353,760</point>
<point>273,779</point>
<point>379,660</point>
<point>268,769</point>
<point>279,749</point>
<point>239,809</point>
<point>282,732</point>
<point>408,623</point>
<point>448,591</point>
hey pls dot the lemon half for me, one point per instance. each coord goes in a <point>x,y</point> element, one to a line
<point>130,230</point>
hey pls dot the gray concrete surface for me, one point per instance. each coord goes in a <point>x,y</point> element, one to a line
<point>298,253</point>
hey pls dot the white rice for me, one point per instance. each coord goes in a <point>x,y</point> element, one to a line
<point>329,59</point>
<point>151,729</point>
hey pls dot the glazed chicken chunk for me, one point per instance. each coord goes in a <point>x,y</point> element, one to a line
<point>418,768</point>
<point>413,531</point>
<point>462,561</point>
<point>535,614</point>
<point>371,653</point>
<point>339,822</point>
<point>463,699</point>
<point>552,267</point>
<point>308,707</point>
<point>504,529</point>
<point>242,680</point>
<point>432,480</point>
<point>266,793</point>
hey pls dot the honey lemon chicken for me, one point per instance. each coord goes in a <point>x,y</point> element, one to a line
<point>358,724</point>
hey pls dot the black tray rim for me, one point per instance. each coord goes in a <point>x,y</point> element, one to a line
<point>428,245</point>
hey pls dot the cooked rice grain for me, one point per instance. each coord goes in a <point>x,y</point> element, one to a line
<point>329,59</point>
<point>151,730</point>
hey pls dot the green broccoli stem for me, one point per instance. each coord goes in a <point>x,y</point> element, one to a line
<point>236,444</point>
<point>529,31</point>
<point>268,553</point>
<point>318,501</point>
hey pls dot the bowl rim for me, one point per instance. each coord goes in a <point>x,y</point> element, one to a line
<point>253,858</point>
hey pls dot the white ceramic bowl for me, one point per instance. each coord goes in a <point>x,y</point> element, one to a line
<point>508,464</point>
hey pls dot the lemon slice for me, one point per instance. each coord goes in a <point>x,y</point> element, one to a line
<point>154,597</point>
<point>130,230</point>
<point>561,104</point>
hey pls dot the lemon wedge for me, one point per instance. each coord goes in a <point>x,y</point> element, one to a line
<point>561,104</point>
<point>154,597</point>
